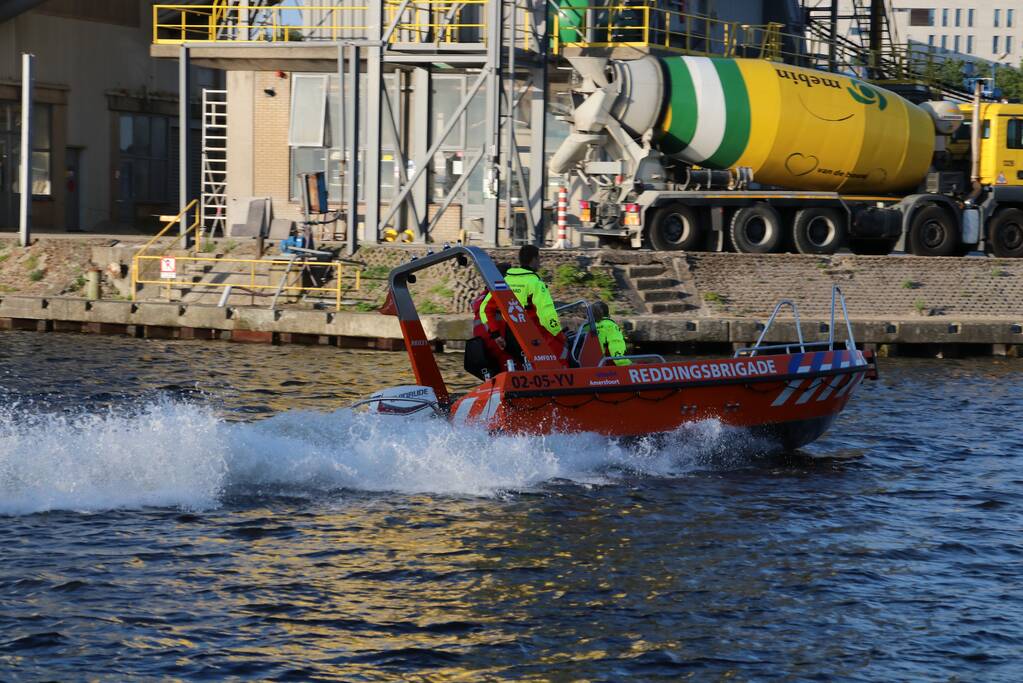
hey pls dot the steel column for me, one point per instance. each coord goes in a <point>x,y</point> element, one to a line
<point>184,133</point>
<point>492,136</point>
<point>373,138</point>
<point>352,153</point>
<point>421,88</point>
<point>25,162</point>
<point>538,152</point>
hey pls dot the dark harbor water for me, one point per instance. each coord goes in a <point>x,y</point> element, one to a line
<point>174,510</point>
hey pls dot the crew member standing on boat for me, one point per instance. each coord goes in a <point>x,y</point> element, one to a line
<point>532,293</point>
<point>612,341</point>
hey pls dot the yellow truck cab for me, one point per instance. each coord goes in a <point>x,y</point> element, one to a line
<point>1001,143</point>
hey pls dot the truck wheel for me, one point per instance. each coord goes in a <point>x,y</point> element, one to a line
<point>933,233</point>
<point>674,228</point>
<point>756,229</point>
<point>872,247</point>
<point>819,231</point>
<point>1005,236</point>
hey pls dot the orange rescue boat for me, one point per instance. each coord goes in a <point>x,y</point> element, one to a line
<point>790,393</point>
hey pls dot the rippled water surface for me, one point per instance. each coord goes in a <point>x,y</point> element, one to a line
<point>179,510</point>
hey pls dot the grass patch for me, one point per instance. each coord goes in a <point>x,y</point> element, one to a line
<point>571,275</point>
<point>998,272</point>
<point>713,298</point>
<point>429,307</point>
<point>31,262</point>
<point>4,256</point>
<point>37,275</point>
<point>920,306</point>
<point>230,246</point>
<point>77,284</point>
<point>208,246</point>
<point>7,289</point>
<point>366,307</point>
<point>376,272</point>
<point>909,284</point>
<point>443,291</point>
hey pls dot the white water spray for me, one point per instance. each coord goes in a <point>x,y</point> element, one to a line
<point>179,454</point>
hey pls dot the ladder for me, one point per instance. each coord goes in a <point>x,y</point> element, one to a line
<point>213,199</point>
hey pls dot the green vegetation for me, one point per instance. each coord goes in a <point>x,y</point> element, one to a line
<point>208,246</point>
<point>7,288</point>
<point>951,72</point>
<point>920,306</point>
<point>376,272</point>
<point>37,275</point>
<point>909,284</point>
<point>77,284</point>
<point>998,272</point>
<point>442,290</point>
<point>428,307</point>
<point>366,306</point>
<point>713,298</point>
<point>31,262</point>
<point>571,275</point>
<point>230,246</point>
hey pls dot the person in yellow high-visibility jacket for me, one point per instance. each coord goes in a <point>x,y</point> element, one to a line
<point>612,341</point>
<point>532,293</point>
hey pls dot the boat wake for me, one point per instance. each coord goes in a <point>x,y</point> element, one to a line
<point>180,454</point>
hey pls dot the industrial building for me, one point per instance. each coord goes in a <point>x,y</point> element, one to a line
<point>105,152</point>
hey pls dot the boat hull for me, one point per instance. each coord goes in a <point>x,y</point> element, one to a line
<point>791,399</point>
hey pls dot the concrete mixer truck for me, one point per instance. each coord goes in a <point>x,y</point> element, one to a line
<point>698,153</point>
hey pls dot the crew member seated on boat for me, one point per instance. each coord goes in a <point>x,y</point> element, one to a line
<point>612,341</point>
<point>483,351</point>
<point>532,293</point>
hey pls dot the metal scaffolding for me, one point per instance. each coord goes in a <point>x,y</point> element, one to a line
<point>498,45</point>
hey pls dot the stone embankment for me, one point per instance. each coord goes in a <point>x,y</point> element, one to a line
<point>669,302</point>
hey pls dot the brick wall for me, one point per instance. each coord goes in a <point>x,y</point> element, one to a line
<point>272,171</point>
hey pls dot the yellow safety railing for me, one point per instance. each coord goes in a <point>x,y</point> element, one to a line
<point>170,222</point>
<point>646,26</point>
<point>418,21</point>
<point>294,269</point>
<point>143,258</point>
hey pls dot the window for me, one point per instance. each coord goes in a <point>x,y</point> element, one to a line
<point>308,110</point>
<point>921,17</point>
<point>315,120</point>
<point>1014,134</point>
<point>10,123</point>
<point>969,45</point>
<point>998,15</point>
<point>1008,45</point>
<point>994,44</point>
<point>944,42</point>
<point>1008,18</point>
<point>964,134</point>
<point>930,40</point>
<point>969,18</point>
<point>959,17</point>
<point>143,141</point>
<point>944,17</point>
<point>955,44</point>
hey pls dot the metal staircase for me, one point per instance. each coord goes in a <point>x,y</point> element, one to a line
<point>213,200</point>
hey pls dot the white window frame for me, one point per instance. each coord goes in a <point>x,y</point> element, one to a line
<point>308,133</point>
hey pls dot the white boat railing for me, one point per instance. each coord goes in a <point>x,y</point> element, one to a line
<point>837,297</point>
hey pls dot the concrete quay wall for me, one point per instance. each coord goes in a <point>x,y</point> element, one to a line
<point>944,335</point>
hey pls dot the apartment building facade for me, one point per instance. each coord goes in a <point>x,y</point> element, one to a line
<point>991,30</point>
